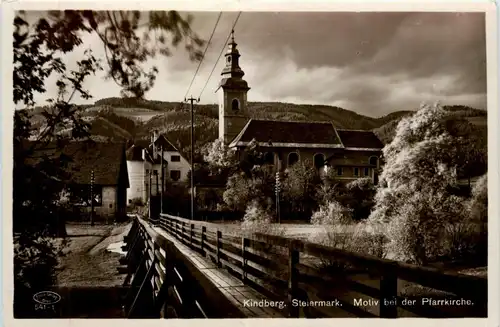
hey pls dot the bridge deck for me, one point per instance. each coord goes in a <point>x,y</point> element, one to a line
<point>231,287</point>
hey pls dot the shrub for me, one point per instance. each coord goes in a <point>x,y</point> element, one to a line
<point>258,220</point>
<point>357,238</point>
<point>331,214</point>
<point>465,242</point>
<point>478,205</point>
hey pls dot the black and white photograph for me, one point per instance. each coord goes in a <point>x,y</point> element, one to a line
<point>227,163</point>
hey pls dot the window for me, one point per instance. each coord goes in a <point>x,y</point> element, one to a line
<point>175,175</point>
<point>111,205</point>
<point>319,160</point>
<point>155,172</point>
<point>374,161</point>
<point>356,171</point>
<point>147,172</point>
<point>235,105</point>
<point>293,158</point>
<point>229,59</point>
<point>367,171</point>
<point>175,158</point>
<point>269,158</point>
<point>340,171</point>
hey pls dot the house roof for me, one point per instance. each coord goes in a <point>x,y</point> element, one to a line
<point>105,159</point>
<point>305,134</point>
<point>134,153</point>
<point>288,133</point>
<point>359,139</point>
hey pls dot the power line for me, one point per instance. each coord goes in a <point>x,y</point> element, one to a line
<point>203,56</point>
<point>220,54</point>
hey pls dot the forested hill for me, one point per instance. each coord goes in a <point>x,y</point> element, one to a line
<point>132,119</point>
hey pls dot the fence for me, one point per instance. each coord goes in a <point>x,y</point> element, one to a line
<point>163,284</point>
<point>357,285</point>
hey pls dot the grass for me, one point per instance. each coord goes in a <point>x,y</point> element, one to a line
<point>86,261</point>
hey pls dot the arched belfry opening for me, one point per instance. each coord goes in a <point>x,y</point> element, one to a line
<point>235,105</point>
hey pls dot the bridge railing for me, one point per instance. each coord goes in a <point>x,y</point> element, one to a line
<point>362,286</point>
<point>162,283</point>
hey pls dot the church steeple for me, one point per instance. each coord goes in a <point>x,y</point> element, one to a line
<point>232,68</point>
<point>232,94</point>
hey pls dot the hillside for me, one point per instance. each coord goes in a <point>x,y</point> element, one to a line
<point>134,119</point>
<point>476,117</point>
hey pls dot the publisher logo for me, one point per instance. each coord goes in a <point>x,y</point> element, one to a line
<point>46,297</point>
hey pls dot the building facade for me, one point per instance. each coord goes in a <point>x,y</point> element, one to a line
<point>351,153</point>
<point>148,172</point>
<point>95,172</point>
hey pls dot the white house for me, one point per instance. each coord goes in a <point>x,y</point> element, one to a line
<point>144,165</point>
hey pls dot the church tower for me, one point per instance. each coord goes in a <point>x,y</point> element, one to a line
<point>232,96</point>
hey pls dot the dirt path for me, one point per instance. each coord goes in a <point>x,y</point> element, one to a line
<point>86,261</point>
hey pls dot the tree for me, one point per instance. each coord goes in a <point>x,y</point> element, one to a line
<point>360,197</point>
<point>413,199</point>
<point>38,50</point>
<point>479,201</point>
<point>219,156</point>
<point>300,185</point>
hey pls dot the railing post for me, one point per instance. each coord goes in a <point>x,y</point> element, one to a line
<point>218,246</point>
<point>244,243</point>
<point>182,232</point>
<point>191,234</point>
<point>293,260</point>
<point>389,293</point>
<point>203,231</point>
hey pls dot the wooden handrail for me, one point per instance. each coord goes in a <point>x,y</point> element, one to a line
<point>225,252</point>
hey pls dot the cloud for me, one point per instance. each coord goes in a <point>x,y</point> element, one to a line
<point>372,63</point>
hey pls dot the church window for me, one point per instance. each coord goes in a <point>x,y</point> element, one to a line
<point>269,158</point>
<point>374,161</point>
<point>293,158</point>
<point>235,105</point>
<point>229,59</point>
<point>319,160</point>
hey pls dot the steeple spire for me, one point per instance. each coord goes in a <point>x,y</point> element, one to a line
<point>232,68</point>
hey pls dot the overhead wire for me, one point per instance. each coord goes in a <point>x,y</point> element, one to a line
<point>220,54</point>
<point>203,55</point>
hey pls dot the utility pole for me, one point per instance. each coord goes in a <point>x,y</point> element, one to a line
<point>162,179</point>
<point>191,100</point>
<point>92,198</point>
<point>278,189</point>
<point>150,198</point>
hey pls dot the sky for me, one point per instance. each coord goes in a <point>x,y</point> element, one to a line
<point>370,63</point>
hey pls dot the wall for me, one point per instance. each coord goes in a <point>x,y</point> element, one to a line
<point>183,165</point>
<point>231,123</point>
<point>340,157</point>
<point>108,198</point>
<point>136,175</point>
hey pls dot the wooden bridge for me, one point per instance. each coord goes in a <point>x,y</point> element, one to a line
<point>179,268</point>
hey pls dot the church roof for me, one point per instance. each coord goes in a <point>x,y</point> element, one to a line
<point>359,139</point>
<point>304,134</point>
<point>289,134</point>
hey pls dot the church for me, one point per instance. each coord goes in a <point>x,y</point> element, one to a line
<point>351,154</point>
